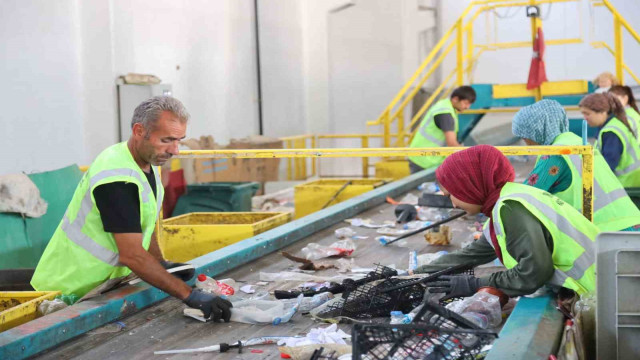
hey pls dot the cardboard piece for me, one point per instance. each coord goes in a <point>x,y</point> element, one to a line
<point>223,170</point>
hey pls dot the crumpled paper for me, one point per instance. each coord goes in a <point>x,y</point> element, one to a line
<point>329,335</point>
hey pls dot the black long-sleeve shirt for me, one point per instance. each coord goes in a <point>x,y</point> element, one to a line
<point>527,240</point>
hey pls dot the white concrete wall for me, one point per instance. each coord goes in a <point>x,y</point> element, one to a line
<point>322,70</point>
<point>41,120</point>
<point>61,60</point>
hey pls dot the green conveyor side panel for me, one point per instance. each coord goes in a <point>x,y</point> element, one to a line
<point>22,241</point>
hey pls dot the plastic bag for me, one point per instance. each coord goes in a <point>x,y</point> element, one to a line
<point>344,233</point>
<point>47,307</point>
<point>481,308</point>
<point>315,251</point>
<point>264,311</point>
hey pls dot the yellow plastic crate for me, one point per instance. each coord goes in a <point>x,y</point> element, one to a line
<point>19,307</point>
<point>188,236</point>
<point>312,196</point>
<point>392,169</point>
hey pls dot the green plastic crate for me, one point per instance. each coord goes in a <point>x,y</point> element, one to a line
<point>216,197</point>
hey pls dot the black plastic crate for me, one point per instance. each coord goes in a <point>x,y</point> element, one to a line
<point>417,341</point>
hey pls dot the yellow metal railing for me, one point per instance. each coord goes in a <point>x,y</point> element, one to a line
<point>585,151</point>
<point>467,54</point>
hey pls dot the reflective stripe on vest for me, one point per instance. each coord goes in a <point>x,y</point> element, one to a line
<point>601,198</point>
<point>423,128</point>
<point>73,230</point>
<point>630,149</point>
<point>582,262</point>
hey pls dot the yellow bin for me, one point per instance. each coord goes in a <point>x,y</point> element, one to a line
<point>188,236</point>
<point>313,196</point>
<point>19,307</point>
<point>393,169</point>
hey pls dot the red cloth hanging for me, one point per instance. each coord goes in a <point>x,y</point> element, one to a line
<point>537,73</point>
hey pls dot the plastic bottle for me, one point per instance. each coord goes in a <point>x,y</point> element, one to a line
<point>396,317</point>
<point>413,260</point>
<point>408,318</point>
<point>479,319</point>
<point>207,284</point>
<point>309,303</point>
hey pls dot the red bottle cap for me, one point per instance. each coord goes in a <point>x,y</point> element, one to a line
<point>202,277</point>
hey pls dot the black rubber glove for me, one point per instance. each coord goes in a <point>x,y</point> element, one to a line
<point>184,275</point>
<point>454,286</point>
<point>213,307</point>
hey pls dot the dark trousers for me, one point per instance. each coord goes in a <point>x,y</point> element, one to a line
<point>413,168</point>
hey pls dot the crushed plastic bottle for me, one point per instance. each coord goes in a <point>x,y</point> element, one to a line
<point>315,251</point>
<point>479,306</point>
<point>309,303</point>
<point>396,317</point>
<point>413,260</point>
<point>219,288</point>
<point>344,233</point>
<point>430,187</point>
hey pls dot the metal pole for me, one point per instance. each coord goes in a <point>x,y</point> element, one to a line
<point>617,27</point>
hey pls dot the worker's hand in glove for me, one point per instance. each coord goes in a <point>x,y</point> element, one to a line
<point>212,306</point>
<point>184,275</point>
<point>454,286</point>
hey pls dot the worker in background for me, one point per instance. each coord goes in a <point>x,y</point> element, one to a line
<point>539,238</point>
<point>624,94</point>
<point>439,127</point>
<point>546,123</point>
<point>616,140</point>
<point>108,230</point>
<point>604,82</point>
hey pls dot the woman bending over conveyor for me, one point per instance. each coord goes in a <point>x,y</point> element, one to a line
<point>625,95</point>
<point>538,237</point>
<point>616,140</point>
<point>546,123</point>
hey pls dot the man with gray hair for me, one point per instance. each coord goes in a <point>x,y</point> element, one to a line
<point>108,230</point>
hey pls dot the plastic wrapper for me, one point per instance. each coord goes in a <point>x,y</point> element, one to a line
<point>345,233</point>
<point>47,307</point>
<point>481,308</point>
<point>315,251</point>
<point>428,258</point>
<point>264,311</point>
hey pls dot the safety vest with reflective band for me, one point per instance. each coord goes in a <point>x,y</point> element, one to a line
<point>613,209</point>
<point>573,236</point>
<point>81,255</point>
<point>634,120</point>
<point>429,135</point>
<point>628,169</point>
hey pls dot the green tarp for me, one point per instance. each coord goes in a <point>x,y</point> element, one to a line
<point>22,240</point>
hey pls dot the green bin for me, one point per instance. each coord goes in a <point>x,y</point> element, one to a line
<point>634,194</point>
<point>216,197</point>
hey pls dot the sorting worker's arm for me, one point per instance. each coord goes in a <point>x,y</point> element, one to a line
<point>530,244</point>
<point>148,268</point>
<point>447,124</point>
<point>477,253</point>
<point>451,138</point>
<point>611,149</point>
<point>154,248</point>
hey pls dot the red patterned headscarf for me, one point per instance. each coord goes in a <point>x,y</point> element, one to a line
<point>476,176</point>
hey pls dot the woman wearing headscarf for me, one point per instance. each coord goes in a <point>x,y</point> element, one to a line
<point>624,94</point>
<point>546,123</point>
<point>539,238</point>
<point>616,140</point>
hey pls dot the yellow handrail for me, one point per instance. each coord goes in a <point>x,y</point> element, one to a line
<point>464,29</point>
<point>585,151</point>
